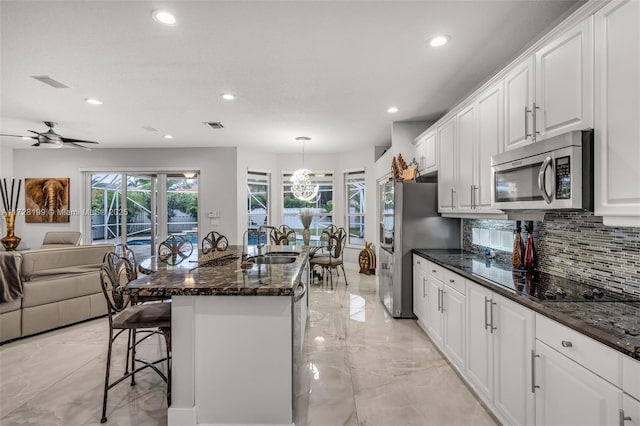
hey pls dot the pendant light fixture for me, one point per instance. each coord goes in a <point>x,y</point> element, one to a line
<point>301,185</point>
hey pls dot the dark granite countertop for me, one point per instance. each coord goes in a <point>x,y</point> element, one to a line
<point>189,279</point>
<point>614,322</point>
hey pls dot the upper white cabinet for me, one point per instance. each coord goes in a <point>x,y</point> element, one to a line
<point>447,165</point>
<point>489,142</point>
<point>551,92</point>
<point>467,156</point>
<point>564,83</point>
<point>617,113</point>
<point>518,89</point>
<point>426,153</point>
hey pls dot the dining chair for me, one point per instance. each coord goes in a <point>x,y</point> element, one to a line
<point>336,243</point>
<point>282,236</point>
<point>174,250</point>
<point>130,255</point>
<point>148,319</point>
<point>214,241</point>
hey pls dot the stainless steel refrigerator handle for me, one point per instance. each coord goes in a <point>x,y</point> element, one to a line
<point>542,184</point>
<point>526,123</point>
<point>623,418</point>
<point>486,324</point>
<point>533,371</point>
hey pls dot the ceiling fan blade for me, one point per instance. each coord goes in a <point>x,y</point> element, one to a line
<point>33,131</point>
<point>36,144</point>
<point>78,145</point>
<point>69,140</point>
<point>16,136</point>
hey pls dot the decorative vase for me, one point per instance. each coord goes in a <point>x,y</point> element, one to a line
<point>306,236</point>
<point>10,241</point>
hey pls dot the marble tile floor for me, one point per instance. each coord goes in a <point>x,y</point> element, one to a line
<point>364,368</point>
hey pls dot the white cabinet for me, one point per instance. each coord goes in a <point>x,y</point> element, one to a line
<point>617,108</point>
<point>467,156</point>
<point>564,83</point>
<point>447,165</point>
<point>569,394</point>
<point>446,311</point>
<point>518,98</point>
<point>419,288</point>
<point>426,153</point>
<point>630,413</point>
<point>499,345</point>
<point>551,92</point>
<point>577,380</point>
<point>490,141</point>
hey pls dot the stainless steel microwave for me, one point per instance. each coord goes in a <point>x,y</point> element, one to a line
<point>554,174</point>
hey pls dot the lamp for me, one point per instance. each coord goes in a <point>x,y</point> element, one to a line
<point>301,185</point>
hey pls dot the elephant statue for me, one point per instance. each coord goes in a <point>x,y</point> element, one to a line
<point>47,200</point>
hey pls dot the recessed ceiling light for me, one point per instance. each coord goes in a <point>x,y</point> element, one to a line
<point>168,137</point>
<point>227,96</point>
<point>439,40</point>
<point>392,110</point>
<point>93,101</point>
<point>164,17</point>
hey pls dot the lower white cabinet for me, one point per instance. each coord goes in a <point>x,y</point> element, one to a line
<point>630,413</point>
<point>569,394</point>
<point>445,311</point>
<point>419,289</point>
<point>499,345</point>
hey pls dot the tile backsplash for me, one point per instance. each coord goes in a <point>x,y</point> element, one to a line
<point>576,245</point>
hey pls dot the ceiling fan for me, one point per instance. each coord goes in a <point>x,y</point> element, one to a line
<point>51,139</point>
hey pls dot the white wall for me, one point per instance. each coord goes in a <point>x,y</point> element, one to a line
<point>402,135</point>
<point>217,180</point>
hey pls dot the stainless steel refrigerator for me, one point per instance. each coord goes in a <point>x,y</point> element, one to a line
<point>409,219</point>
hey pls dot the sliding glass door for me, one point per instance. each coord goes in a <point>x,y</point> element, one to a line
<point>142,209</point>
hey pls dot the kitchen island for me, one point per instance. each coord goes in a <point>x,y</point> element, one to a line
<point>237,333</point>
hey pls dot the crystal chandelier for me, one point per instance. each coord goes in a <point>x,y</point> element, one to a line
<point>301,185</point>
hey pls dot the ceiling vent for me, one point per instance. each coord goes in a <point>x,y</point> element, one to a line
<point>214,124</point>
<point>49,81</point>
<point>150,129</point>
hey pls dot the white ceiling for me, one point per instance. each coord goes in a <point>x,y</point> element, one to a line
<point>324,69</point>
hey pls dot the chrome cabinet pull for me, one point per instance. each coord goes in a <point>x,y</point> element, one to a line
<point>452,281</point>
<point>491,316</point>
<point>471,196</point>
<point>526,123</point>
<point>433,271</point>
<point>533,371</point>
<point>623,418</point>
<point>534,113</point>
<point>418,262</point>
<point>442,303</point>
<point>486,323</point>
<point>452,191</point>
<point>567,344</point>
<point>424,292</point>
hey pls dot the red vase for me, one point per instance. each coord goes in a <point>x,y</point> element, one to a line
<point>530,254</point>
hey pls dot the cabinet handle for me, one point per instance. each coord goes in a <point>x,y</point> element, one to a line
<point>442,303</point>
<point>533,371</point>
<point>491,316</point>
<point>566,344</point>
<point>418,262</point>
<point>526,123</point>
<point>452,191</point>
<point>433,271</point>
<point>534,112</point>
<point>452,281</point>
<point>438,300</point>
<point>623,418</point>
<point>471,196</point>
<point>424,293</point>
<point>486,323</point>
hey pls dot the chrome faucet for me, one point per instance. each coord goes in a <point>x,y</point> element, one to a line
<point>260,245</point>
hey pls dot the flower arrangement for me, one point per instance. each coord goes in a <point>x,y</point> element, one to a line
<point>306,216</point>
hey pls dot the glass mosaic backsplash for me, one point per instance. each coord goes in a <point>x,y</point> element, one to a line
<point>575,245</point>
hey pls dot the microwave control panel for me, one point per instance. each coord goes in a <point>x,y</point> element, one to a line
<point>563,178</point>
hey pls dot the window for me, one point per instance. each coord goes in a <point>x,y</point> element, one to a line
<point>321,206</point>
<point>257,198</point>
<point>355,206</point>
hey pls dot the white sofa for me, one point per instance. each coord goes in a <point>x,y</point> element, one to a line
<point>60,286</point>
